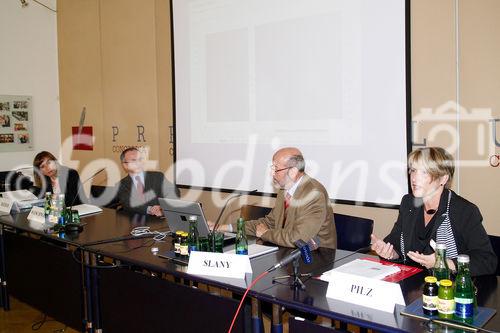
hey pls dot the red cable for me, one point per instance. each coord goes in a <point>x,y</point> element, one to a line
<point>243,298</point>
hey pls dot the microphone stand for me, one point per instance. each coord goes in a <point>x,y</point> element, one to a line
<point>77,226</point>
<point>80,186</point>
<point>211,234</point>
<point>295,277</point>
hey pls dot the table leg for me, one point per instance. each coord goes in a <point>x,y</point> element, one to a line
<point>87,290</point>
<point>257,322</point>
<point>277,320</point>
<point>4,295</point>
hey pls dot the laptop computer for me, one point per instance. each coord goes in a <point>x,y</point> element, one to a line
<point>178,211</point>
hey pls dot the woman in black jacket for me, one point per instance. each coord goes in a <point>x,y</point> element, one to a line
<point>435,214</point>
<point>50,176</point>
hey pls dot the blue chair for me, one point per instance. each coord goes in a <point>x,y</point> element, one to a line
<point>353,232</point>
<point>252,212</point>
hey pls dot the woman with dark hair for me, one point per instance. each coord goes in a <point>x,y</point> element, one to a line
<point>433,213</point>
<point>50,176</point>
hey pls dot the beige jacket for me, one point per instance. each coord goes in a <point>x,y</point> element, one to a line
<point>308,215</point>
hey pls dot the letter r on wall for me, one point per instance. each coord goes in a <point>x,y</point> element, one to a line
<point>115,132</point>
<point>140,133</point>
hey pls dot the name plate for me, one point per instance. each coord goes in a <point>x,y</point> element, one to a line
<point>5,205</point>
<point>371,293</point>
<point>229,268</point>
<point>37,214</point>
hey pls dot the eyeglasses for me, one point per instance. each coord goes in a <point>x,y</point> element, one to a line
<point>132,161</point>
<point>274,170</point>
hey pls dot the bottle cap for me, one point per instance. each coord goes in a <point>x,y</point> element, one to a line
<point>430,279</point>
<point>193,218</point>
<point>440,246</point>
<point>179,232</point>
<point>463,258</point>
<point>185,234</point>
<point>446,283</point>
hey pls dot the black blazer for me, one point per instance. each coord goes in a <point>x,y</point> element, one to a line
<point>466,223</point>
<point>70,184</point>
<point>155,186</point>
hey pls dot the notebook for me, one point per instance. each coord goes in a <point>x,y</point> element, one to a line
<point>178,211</point>
<point>256,250</point>
<point>86,209</point>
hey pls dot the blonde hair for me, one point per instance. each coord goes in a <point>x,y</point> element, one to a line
<point>436,161</point>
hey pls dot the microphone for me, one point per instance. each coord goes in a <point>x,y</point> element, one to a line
<point>216,225</point>
<point>303,250</point>
<point>78,227</point>
<point>81,185</point>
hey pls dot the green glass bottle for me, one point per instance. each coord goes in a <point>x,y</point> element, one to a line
<point>441,270</point>
<point>61,208</point>
<point>193,236</point>
<point>48,205</point>
<point>241,238</point>
<point>464,291</point>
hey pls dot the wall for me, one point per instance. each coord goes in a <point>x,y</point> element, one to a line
<point>115,58</point>
<point>115,61</point>
<point>28,66</point>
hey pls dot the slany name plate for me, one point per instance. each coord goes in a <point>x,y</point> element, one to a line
<point>37,214</point>
<point>371,293</point>
<point>5,205</point>
<point>229,268</point>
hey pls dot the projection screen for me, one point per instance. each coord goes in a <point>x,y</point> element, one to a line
<point>330,77</point>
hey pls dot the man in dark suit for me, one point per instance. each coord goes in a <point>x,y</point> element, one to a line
<point>139,191</point>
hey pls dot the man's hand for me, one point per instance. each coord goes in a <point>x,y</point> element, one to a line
<point>222,228</point>
<point>260,230</point>
<point>155,210</point>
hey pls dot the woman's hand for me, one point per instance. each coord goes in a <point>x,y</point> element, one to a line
<point>383,249</point>
<point>426,260</point>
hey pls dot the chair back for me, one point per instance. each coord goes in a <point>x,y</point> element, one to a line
<point>104,196</point>
<point>253,212</point>
<point>14,180</point>
<point>495,243</point>
<point>353,232</point>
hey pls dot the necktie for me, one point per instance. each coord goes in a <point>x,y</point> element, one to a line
<point>288,197</point>
<point>140,187</point>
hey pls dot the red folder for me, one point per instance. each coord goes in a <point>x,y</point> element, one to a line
<point>404,270</point>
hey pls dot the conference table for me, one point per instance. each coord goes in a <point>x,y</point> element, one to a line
<point>111,282</point>
<point>44,270</point>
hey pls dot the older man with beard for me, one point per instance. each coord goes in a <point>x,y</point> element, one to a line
<point>302,209</point>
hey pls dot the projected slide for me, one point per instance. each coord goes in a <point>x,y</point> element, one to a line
<point>325,76</point>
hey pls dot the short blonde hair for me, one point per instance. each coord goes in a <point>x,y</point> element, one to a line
<point>436,161</point>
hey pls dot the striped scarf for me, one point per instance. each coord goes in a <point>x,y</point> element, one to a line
<point>444,235</point>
